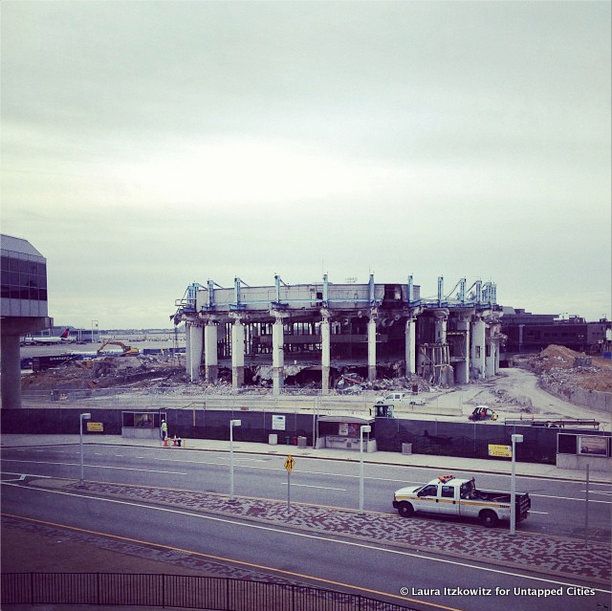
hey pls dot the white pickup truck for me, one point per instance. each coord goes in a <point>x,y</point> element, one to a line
<point>395,399</point>
<point>448,495</point>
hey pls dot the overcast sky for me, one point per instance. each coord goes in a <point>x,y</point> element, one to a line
<point>146,145</point>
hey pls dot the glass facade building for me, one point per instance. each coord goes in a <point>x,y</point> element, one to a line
<point>23,279</point>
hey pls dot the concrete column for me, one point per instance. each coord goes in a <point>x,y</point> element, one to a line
<point>211,364</point>
<point>325,354</point>
<point>490,359</point>
<point>278,356</point>
<point>372,347</point>
<point>497,351</point>
<point>188,349</point>
<point>441,321</point>
<point>462,369</point>
<point>11,372</point>
<point>237,353</point>
<point>478,347</point>
<point>410,346</point>
<point>196,346</point>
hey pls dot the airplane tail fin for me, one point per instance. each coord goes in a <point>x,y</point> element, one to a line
<point>66,333</point>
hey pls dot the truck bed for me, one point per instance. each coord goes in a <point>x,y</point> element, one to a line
<point>494,496</point>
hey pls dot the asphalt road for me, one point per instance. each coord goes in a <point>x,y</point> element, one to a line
<point>325,560</point>
<point>558,507</point>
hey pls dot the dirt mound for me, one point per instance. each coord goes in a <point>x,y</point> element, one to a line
<point>560,357</point>
<point>569,370</point>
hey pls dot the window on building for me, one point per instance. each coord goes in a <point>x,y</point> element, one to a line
<point>23,279</point>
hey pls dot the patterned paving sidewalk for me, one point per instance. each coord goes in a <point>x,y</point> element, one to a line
<point>549,554</point>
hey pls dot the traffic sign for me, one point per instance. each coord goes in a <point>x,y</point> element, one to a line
<point>289,462</point>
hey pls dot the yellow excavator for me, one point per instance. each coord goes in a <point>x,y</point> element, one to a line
<point>127,350</point>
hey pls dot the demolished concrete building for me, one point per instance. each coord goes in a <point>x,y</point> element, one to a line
<point>320,331</point>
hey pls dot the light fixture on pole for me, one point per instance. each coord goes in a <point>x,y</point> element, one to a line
<point>364,428</point>
<point>233,423</point>
<point>515,439</point>
<point>81,418</point>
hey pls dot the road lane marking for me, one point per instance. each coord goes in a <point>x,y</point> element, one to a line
<point>233,561</point>
<point>33,475</point>
<point>599,491</point>
<point>286,531</point>
<point>371,478</point>
<point>19,479</point>
<point>67,464</point>
<point>542,513</point>
<point>280,467</point>
<point>316,473</point>
<point>318,487</point>
<point>568,498</point>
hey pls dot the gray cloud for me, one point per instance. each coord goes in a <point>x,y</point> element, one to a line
<point>147,145</point>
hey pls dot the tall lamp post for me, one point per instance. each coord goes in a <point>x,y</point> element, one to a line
<point>233,423</point>
<point>364,428</point>
<point>515,439</point>
<point>81,418</point>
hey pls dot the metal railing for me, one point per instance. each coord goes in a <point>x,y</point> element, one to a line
<point>187,591</point>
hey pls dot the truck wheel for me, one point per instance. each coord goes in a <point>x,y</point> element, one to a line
<point>405,510</point>
<point>488,518</point>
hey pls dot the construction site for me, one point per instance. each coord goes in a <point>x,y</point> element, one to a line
<point>323,344</point>
<point>324,333</point>
<point>340,345</point>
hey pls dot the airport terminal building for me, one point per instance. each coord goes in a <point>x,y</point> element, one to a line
<point>316,332</point>
<point>24,308</point>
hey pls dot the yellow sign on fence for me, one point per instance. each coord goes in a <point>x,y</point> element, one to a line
<point>499,450</point>
<point>95,427</point>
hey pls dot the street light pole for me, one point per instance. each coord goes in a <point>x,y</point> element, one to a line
<point>515,439</point>
<point>233,423</point>
<point>81,418</point>
<point>364,428</point>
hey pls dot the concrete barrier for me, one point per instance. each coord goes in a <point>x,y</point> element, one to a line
<point>595,399</point>
<point>576,462</point>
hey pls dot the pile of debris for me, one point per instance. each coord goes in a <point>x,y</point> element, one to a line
<point>354,384</point>
<point>105,372</point>
<point>511,401</point>
<point>564,370</point>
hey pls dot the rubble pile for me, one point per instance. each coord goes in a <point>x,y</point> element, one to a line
<point>106,372</point>
<point>563,370</point>
<point>507,399</point>
<point>354,384</point>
